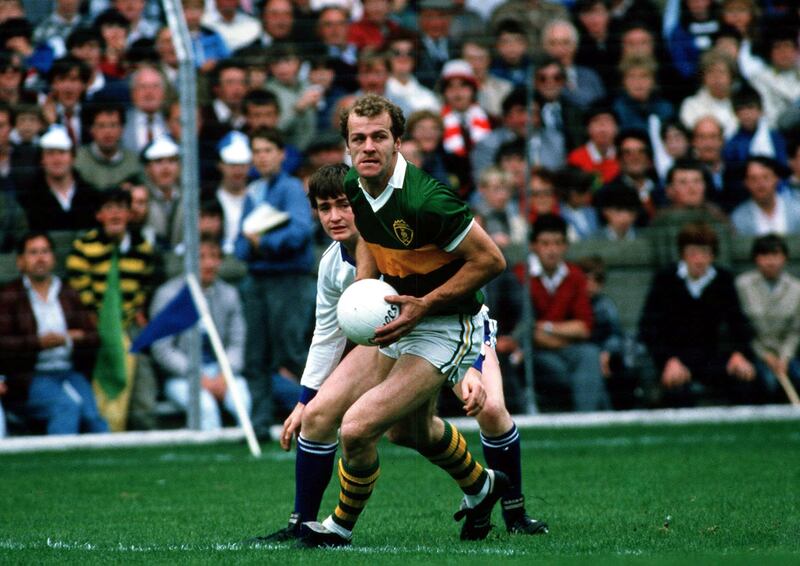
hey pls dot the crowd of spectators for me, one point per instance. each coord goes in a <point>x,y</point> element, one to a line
<point>634,116</point>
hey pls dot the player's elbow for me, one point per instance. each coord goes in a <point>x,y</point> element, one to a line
<point>495,263</point>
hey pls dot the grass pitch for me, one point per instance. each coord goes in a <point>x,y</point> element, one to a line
<point>614,494</point>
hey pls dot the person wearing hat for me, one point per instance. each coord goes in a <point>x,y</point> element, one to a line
<point>58,198</point>
<point>766,211</point>
<point>103,162</point>
<point>437,45</point>
<point>162,171</point>
<point>466,124</point>
<point>235,158</point>
<point>599,154</point>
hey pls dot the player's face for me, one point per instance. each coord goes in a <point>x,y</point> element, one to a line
<point>373,148</point>
<point>337,218</point>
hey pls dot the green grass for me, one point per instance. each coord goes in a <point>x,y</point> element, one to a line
<point>620,495</point>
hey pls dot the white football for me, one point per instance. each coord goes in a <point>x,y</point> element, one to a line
<point>362,309</point>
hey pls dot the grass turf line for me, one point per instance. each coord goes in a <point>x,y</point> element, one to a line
<point>617,494</point>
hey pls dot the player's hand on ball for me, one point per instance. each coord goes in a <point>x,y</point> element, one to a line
<point>412,309</point>
<point>291,426</point>
<point>473,393</point>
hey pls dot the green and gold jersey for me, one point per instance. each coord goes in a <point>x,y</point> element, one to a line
<point>410,232</point>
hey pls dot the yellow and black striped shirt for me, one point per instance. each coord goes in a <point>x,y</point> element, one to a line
<point>88,264</point>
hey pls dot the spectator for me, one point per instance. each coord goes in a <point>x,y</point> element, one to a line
<point>583,85</point>
<point>58,198</point>
<point>687,196</point>
<point>104,163</point>
<point>724,183</point>
<point>682,320</point>
<point>619,209</point>
<point>598,49</point>
<point>638,101</point>
<point>640,41</point>
<point>54,30</point>
<point>754,136</point>
<point>88,266</point>
<point>607,335</point>
<point>236,28</point>
<point>140,210</point>
<point>401,86</point>
<point>511,62</point>
<point>11,75</point>
<point>225,113</point>
<point>24,150</point>
<point>465,122</point>
<point>48,342</point>
<point>16,37</point>
<point>689,35</point>
<point>498,213</point>
<point>599,155</point>
<point>542,194</point>
<point>576,203</point>
<point>791,184</point>
<point>558,114</point>
<point>12,222</point>
<point>437,44</point>
<point>144,122</point>
<point>777,81</point>
<point>297,99</point>
<point>114,29</point>
<point>332,24</point>
<point>69,78</point>
<point>714,97</point>
<point>86,45</point>
<point>208,46</point>
<point>171,354</point>
<point>235,159</point>
<point>636,172</point>
<point>770,298</point>
<point>564,357</point>
<point>372,30</point>
<point>278,291</point>
<point>766,211</point>
<point>533,15</point>
<point>492,90</point>
<point>671,143</point>
<point>141,26</point>
<point>278,28</point>
<point>426,128</point>
<point>162,171</point>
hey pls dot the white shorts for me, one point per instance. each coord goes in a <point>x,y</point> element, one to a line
<point>451,343</point>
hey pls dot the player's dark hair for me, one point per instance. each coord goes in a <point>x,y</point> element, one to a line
<point>370,106</point>
<point>549,223</point>
<point>327,183</point>
<point>769,244</point>
<point>698,234</point>
<point>32,235</point>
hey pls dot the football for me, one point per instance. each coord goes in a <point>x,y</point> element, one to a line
<point>361,309</point>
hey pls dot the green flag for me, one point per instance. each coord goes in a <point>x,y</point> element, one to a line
<point>110,371</point>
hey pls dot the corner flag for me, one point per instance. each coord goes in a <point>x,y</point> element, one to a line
<point>178,315</point>
<point>110,371</point>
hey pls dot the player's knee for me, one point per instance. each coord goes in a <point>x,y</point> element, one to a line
<point>355,437</point>
<point>493,411</point>
<point>318,423</point>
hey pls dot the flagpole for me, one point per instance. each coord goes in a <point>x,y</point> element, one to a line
<point>225,366</point>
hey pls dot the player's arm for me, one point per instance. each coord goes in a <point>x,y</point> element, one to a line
<point>483,261</point>
<point>366,267</point>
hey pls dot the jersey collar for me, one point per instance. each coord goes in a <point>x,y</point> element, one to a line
<point>395,183</point>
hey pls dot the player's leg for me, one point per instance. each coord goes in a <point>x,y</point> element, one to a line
<point>501,447</point>
<point>409,386</point>
<point>360,370</point>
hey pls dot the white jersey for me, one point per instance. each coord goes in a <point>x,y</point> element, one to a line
<point>334,276</point>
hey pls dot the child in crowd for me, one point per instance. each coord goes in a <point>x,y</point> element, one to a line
<point>754,136</point>
<point>619,209</point>
<point>498,213</point>
<point>598,155</point>
<point>511,46</point>
<point>576,203</point>
<point>608,335</point>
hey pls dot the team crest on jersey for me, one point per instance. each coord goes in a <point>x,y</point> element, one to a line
<point>403,232</point>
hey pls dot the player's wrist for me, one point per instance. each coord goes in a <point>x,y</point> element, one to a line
<point>306,395</point>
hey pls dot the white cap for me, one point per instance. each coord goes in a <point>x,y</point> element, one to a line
<point>459,69</point>
<point>160,148</point>
<point>235,149</point>
<point>56,137</point>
